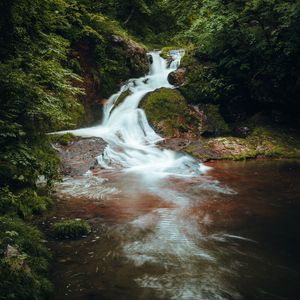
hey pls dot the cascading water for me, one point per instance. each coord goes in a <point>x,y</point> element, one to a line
<point>131,140</point>
<point>156,214</point>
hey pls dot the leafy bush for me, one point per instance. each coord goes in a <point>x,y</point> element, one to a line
<point>63,139</point>
<point>23,261</point>
<point>253,47</point>
<point>25,203</point>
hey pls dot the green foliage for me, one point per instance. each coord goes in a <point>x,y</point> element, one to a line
<point>120,99</point>
<point>104,48</point>
<point>63,139</point>
<point>150,20</point>
<point>23,261</point>
<point>202,85</point>
<point>71,229</point>
<point>215,123</point>
<point>38,93</point>
<point>25,203</point>
<point>251,48</point>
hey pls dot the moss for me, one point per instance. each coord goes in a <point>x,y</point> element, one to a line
<point>23,261</point>
<point>63,139</point>
<point>71,229</point>
<point>277,142</point>
<point>264,141</point>
<point>165,51</point>
<point>168,112</point>
<point>120,99</point>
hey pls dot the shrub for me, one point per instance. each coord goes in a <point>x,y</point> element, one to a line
<point>71,229</point>
<point>63,139</point>
<point>23,261</point>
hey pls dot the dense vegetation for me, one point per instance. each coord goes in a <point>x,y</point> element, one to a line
<point>59,57</point>
<point>245,54</point>
<point>42,80</point>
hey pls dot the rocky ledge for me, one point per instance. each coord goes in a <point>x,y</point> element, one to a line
<point>77,154</point>
<point>262,142</point>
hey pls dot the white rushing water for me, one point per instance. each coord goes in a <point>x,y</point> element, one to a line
<point>166,237</point>
<point>131,140</point>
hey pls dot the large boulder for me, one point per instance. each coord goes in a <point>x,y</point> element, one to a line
<point>177,77</point>
<point>169,114</point>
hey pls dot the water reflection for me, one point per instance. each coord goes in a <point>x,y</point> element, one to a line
<point>191,239</point>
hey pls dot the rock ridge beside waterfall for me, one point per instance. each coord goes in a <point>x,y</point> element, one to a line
<point>200,129</point>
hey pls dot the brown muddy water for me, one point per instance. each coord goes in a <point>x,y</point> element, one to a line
<point>233,233</point>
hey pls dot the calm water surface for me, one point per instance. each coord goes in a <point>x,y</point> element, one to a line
<point>233,233</point>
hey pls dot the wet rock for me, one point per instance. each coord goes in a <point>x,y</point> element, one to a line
<point>176,144</point>
<point>131,61</point>
<point>150,59</point>
<point>166,54</point>
<point>75,158</point>
<point>177,77</point>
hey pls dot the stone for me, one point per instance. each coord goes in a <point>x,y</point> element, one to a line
<point>177,77</point>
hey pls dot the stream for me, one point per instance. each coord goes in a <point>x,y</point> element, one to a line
<point>168,227</point>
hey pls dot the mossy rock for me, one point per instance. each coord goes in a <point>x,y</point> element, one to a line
<point>121,99</point>
<point>276,142</point>
<point>264,141</point>
<point>71,229</point>
<point>169,114</point>
<point>62,139</point>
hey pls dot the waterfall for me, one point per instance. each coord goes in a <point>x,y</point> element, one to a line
<point>132,142</point>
